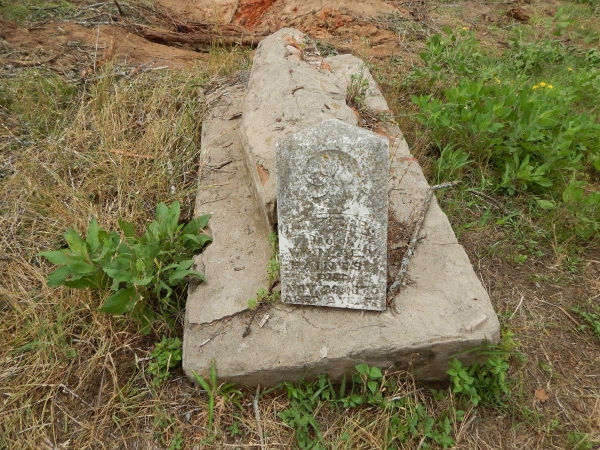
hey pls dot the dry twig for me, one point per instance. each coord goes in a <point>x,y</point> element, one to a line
<point>257,416</point>
<point>415,237</point>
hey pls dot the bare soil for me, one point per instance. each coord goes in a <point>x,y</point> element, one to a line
<point>74,45</point>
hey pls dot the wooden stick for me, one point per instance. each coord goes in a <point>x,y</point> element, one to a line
<point>490,200</point>
<point>18,63</point>
<point>257,416</point>
<point>415,237</point>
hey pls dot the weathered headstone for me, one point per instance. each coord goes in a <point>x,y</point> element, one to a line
<point>332,212</point>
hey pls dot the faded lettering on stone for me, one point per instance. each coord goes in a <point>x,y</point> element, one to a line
<point>332,214</point>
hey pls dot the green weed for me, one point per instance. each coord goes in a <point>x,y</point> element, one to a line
<point>225,391</point>
<point>267,294</point>
<point>407,421</point>
<point>142,271</point>
<point>579,441</point>
<point>529,135</point>
<point>357,89</point>
<point>592,319</point>
<point>482,383</point>
<point>166,355</point>
<point>29,11</point>
<point>39,103</point>
<point>164,425</point>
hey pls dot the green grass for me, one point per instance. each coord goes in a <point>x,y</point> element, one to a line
<point>31,11</point>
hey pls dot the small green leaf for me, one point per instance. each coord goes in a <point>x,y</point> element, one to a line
<point>121,301</point>
<point>362,369</point>
<point>92,235</point>
<point>57,277</point>
<point>195,241</point>
<point>82,283</point>
<point>372,385</point>
<point>76,242</point>
<point>127,228</point>
<point>120,269</point>
<point>546,204</point>
<point>177,276</point>
<point>173,220</point>
<point>375,373</point>
<point>201,382</point>
<point>58,257</point>
<point>203,221</point>
<point>548,122</point>
<point>81,268</point>
<point>195,225</point>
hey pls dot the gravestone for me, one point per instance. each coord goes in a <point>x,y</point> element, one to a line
<point>443,311</point>
<point>332,212</point>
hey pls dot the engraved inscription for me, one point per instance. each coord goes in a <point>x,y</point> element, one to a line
<point>332,209</point>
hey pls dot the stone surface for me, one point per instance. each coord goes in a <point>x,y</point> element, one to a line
<point>234,263</point>
<point>332,212</point>
<point>443,309</point>
<point>289,89</point>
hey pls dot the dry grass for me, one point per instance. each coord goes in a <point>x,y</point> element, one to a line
<point>111,148</point>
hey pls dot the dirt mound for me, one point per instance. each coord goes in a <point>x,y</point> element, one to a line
<point>218,11</point>
<point>348,25</point>
<point>71,45</point>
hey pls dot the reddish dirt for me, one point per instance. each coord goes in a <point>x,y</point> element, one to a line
<point>350,26</point>
<point>250,12</point>
<point>78,46</point>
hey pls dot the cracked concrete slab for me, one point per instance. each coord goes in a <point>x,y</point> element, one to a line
<point>234,263</point>
<point>442,310</point>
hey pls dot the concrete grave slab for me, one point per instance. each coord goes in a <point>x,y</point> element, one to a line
<point>333,212</point>
<point>441,311</point>
<point>234,263</point>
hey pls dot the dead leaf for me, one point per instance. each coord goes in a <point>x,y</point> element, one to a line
<point>263,174</point>
<point>518,13</point>
<point>325,66</point>
<point>357,114</point>
<point>579,407</point>
<point>541,395</point>
<point>291,41</point>
<point>382,131</point>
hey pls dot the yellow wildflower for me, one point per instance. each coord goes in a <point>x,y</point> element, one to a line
<point>465,28</point>
<point>535,87</point>
<point>542,84</point>
<point>570,69</point>
<point>550,86</point>
<point>497,80</point>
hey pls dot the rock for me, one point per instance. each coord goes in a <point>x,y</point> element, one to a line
<point>234,263</point>
<point>288,90</point>
<point>333,211</point>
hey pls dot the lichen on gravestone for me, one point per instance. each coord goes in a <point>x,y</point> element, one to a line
<point>332,208</point>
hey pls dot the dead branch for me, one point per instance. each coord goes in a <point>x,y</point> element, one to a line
<point>257,416</point>
<point>415,237</point>
<point>235,37</point>
<point>19,63</point>
<point>490,200</point>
